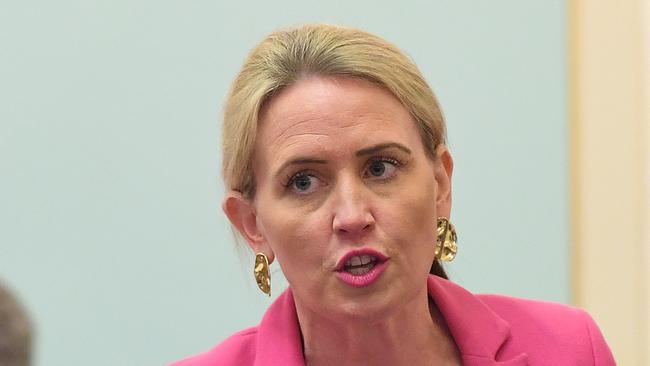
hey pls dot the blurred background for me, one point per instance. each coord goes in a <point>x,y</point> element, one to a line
<point>111,231</point>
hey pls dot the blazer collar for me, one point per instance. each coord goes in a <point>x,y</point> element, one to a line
<point>477,330</point>
<point>279,341</point>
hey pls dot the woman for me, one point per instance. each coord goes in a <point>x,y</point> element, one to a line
<point>336,165</point>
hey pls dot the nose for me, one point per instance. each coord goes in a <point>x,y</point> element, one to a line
<point>352,215</point>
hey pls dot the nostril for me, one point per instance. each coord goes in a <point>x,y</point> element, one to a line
<point>351,210</point>
<point>353,225</point>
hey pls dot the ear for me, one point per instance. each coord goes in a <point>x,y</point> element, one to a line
<point>444,167</point>
<point>241,213</point>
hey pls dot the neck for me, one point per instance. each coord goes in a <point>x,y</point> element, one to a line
<point>415,334</point>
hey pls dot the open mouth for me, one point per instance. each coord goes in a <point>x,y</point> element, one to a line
<point>360,264</point>
<point>360,261</point>
<point>361,267</point>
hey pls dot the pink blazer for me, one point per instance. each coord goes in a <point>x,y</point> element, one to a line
<point>489,330</point>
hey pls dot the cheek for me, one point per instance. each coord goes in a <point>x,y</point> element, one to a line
<point>297,240</point>
<point>410,220</point>
<point>415,222</point>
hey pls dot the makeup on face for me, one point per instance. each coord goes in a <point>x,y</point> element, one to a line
<point>361,267</point>
<point>345,194</point>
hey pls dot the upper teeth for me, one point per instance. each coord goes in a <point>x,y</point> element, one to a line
<point>359,260</point>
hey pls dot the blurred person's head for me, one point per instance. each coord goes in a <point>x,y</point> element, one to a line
<point>15,331</point>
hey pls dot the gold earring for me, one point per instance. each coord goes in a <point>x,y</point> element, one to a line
<point>262,273</point>
<point>446,247</point>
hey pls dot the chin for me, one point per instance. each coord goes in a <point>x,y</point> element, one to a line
<point>367,307</point>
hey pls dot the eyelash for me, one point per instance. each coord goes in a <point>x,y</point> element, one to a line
<point>291,178</point>
<point>386,159</point>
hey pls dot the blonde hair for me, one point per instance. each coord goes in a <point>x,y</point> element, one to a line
<point>286,56</point>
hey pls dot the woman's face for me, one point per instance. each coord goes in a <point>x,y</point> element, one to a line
<point>342,178</point>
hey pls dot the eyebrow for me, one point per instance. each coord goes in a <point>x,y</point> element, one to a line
<point>373,149</point>
<point>298,161</point>
<point>363,152</point>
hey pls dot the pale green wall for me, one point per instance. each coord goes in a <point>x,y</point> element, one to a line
<point>111,228</point>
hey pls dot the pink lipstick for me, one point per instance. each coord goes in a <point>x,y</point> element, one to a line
<point>361,267</point>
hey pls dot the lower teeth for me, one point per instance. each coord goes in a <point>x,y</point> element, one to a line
<point>361,270</point>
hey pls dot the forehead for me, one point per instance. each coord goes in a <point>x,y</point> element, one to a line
<point>319,113</point>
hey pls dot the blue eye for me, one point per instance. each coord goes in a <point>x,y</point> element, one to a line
<point>382,168</point>
<point>377,168</point>
<point>303,183</point>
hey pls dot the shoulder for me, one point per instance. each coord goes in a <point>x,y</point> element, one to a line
<point>518,310</point>
<point>552,327</point>
<point>276,338</point>
<point>238,349</point>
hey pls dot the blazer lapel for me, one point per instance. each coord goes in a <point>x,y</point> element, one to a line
<point>521,360</point>
<point>278,340</point>
<point>478,332</point>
